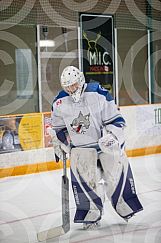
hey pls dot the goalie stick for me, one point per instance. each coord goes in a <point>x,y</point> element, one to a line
<point>65,227</point>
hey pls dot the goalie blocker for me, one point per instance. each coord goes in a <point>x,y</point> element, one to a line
<point>88,190</point>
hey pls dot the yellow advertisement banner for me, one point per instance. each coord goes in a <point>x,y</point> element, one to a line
<point>24,132</point>
<point>30,132</point>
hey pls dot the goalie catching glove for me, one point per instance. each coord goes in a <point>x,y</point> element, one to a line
<point>58,146</point>
<point>108,142</point>
<point>112,139</point>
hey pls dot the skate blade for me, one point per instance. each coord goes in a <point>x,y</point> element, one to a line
<point>93,226</point>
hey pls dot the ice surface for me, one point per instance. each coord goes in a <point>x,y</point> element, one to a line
<point>32,203</point>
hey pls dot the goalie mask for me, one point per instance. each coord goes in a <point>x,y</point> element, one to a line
<point>72,81</point>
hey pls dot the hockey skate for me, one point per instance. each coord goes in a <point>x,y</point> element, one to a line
<point>128,217</point>
<point>92,226</point>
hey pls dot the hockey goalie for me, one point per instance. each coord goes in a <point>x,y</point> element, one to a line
<point>88,125</point>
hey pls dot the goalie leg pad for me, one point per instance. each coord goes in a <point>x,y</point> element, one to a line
<point>128,203</point>
<point>120,187</point>
<point>85,185</point>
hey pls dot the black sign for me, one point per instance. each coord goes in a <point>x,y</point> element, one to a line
<point>97,48</point>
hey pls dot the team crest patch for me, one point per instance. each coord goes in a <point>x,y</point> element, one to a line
<point>81,123</point>
<point>59,102</point>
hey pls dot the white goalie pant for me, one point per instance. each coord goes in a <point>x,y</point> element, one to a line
<point>88,190</point>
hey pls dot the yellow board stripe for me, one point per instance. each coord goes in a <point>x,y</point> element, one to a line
<point>52,165</point>
<point>31,168</point>
<point>144,151</point>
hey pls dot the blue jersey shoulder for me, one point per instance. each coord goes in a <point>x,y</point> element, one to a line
<point>96,87</point>
<point>61,95</point>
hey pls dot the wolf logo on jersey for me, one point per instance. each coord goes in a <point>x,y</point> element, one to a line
<point>81,123</point>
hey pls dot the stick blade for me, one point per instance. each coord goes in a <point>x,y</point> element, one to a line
<point>51,233</point>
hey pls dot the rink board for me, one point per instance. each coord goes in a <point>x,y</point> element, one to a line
<point>142,136</point>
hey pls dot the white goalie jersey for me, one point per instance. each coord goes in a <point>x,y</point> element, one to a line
<point>84,120</point>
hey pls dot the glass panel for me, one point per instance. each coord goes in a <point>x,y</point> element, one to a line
<point>133,70</point>
<point>24,72</point>
<point>59,50</point>
<point>18,79</point>
<point>156,57</point>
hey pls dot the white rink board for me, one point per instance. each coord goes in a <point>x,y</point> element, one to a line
<point>26,157</point>
<point>143,130</point>
<point>143,125</point>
